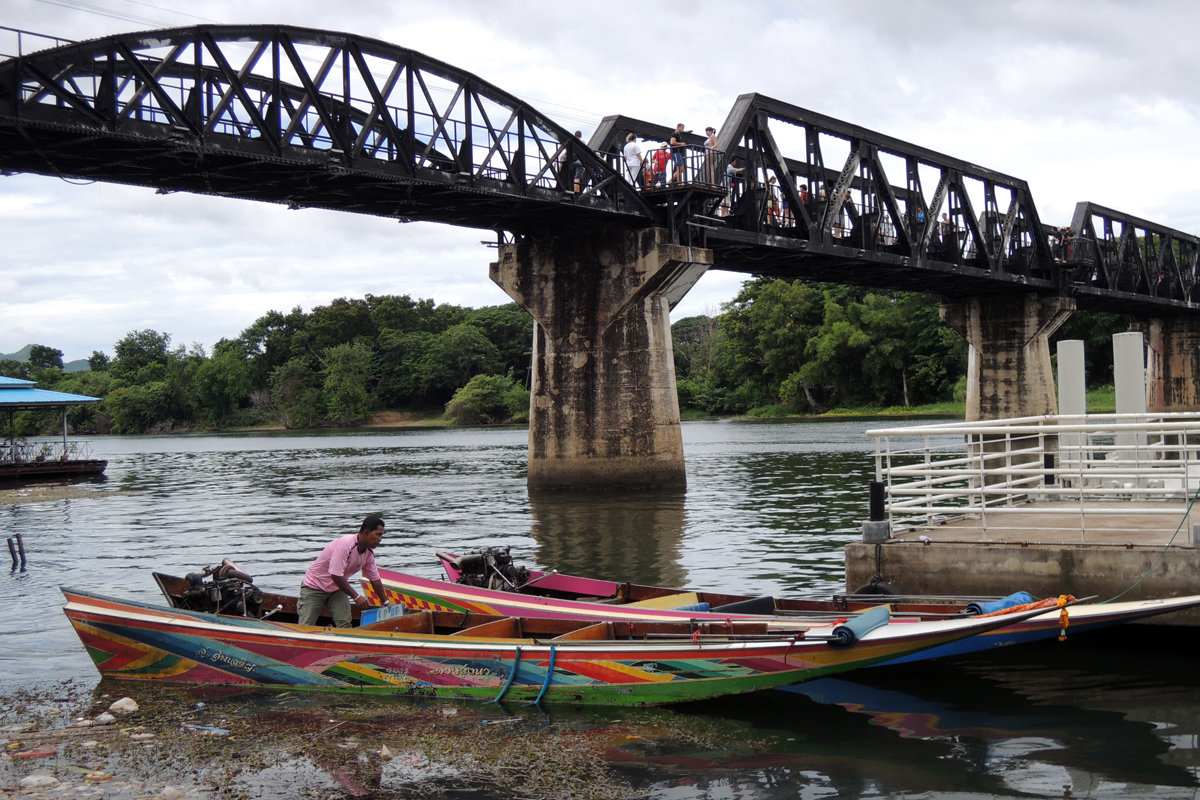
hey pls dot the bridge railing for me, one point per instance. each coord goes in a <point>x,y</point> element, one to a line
<point>1073,468</point>
<point>696,167</point>
<point>15,42</point>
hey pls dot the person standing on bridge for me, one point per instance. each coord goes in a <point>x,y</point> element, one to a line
<point>577,163</point>
<point>633,159</point>
<point>326,583</point>
<point>658,166</point>
<point>710,154</point>
<point>678,153</point>
<point>772,201</point>
<point>733,174</point>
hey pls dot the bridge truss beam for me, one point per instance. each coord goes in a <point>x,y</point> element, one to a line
<point>303,117</point>
<point>821,194</point>
<point>1117,260</point>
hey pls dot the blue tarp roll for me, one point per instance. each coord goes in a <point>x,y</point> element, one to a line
<point>1014,599</point>
<point>852,630</point>
<point>692,607</point>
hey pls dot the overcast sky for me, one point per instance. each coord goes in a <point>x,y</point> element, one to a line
<point>1085,100</point>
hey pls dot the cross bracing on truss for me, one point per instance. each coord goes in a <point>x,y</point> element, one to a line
<point>301,116</point>
<point>307,117</point>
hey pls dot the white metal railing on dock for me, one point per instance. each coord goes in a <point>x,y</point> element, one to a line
<point>20,451</point>
<point>1071,467</point>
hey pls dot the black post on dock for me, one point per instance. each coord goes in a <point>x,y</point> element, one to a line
<point>876,502</point>
<point>876,529</point>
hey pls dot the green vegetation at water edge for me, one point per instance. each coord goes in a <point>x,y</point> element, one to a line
<point>779,348</point>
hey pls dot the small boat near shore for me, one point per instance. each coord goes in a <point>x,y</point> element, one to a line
<point>246,638</point>
<point>489,582</point>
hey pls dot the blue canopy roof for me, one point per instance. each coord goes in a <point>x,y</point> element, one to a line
<point>18,393</point>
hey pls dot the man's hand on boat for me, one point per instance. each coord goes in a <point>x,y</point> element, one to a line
<point>359,600</point>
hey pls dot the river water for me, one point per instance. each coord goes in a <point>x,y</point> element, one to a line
<point>768,508</point>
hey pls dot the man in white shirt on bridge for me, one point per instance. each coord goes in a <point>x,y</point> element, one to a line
<point>633,158</point>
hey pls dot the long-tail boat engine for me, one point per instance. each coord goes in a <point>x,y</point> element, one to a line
<point>222,589</point>
<point>491,568</point>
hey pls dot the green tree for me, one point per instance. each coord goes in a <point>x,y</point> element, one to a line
<point>295,399</point>
<point>11,368</point>
<point>41,356</point>
<point>401,358</point>
<point>401,313</point>
<point>766,328</point>
<point>510,328</point>
<point>98,361</point>
<point>138,351</point>
<point>694,340</point>
<point>348,379</point>
<point>342,321</point>
<point>222,383</point>
<point>268,343</point>
<point>488,399</point>
<point>139,408</point>
<point>834,354</point>
<point>92,417</point>
<point>454,357</point>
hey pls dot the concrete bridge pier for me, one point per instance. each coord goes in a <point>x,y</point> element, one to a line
<point>1172,363</point>
<point>604,413</point>
<point>1008,366</point>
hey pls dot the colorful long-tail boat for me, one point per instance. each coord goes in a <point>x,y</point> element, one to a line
<point>479,657</point>
<point>487,582</point>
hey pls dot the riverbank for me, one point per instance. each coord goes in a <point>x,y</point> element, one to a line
<point>181,745</point>
<point>44,492</point>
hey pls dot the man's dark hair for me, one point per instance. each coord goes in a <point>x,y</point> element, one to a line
<point>371,523</point>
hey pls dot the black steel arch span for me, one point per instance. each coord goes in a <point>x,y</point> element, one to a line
<point>304,117</point>
<point>317,118</point>
<point>890,233</point>
<point>871,213</point>
<point>1116,259</point>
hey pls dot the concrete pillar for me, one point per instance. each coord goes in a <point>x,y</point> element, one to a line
<point>1072,400</point>
<point>604,411</point>
<point>1008,365</point>
<point>1072,380</point>
<point>1173,363</point>
<point>1129,372</point>
<point>1129,377</point>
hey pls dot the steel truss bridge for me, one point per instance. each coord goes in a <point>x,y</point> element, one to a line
<point>314,118</point>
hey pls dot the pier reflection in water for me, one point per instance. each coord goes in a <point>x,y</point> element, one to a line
<point>767,510</point>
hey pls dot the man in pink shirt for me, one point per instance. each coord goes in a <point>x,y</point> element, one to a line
<point>326,581</point>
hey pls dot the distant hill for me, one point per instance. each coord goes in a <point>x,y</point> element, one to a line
<point>78,365</point>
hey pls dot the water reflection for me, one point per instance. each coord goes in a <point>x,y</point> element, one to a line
<point>593,538</point>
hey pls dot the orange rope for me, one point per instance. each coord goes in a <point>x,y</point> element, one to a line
<point>1064,619</point>
<point>1049,602</point>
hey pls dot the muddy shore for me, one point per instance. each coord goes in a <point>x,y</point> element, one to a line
<point>61,742</point>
